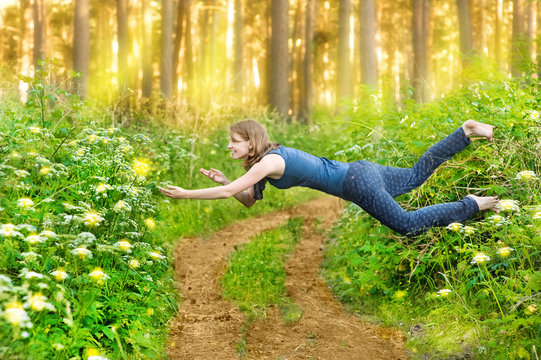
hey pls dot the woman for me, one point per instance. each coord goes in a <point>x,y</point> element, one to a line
<point>371,186</point>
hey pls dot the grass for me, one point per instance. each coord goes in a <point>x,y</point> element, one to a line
<point>70,181</point>
<point>255,276</point>
<point>485,310</point>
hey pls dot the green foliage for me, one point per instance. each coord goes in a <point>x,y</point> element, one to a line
<point>491,307</point>
<point>255,275</point>
<point>84,270</point>
<point>70,181</point>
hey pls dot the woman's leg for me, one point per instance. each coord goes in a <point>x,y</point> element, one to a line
<point>399,181</point>
<point>385,209</point>
<point>364,186</point>
<point>402,180</point>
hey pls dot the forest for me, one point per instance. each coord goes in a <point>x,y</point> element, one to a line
<point>222,52</point>
<point>104,103</point>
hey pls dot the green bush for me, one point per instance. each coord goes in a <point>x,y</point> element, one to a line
<point>486,272</point>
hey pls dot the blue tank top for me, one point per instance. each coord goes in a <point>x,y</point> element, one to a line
<point>303,169</point>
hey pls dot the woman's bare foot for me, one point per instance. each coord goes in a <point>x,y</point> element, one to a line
<point>486,202</point>
<point>474,128</point>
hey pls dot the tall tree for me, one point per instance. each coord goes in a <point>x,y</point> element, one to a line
<point>369,65</point>
<point>279,72</point>
<point>123,46</point>
<point>40,31</point>
<point>481,33</point>
<point>188,75</point>
<point>166,59</point>
<point>179,28</point>
<point>531,10</point>
<point>147,48</point>
<point>465,30</point>
<point>498,32</point>
<point>343,71</point>
<point>238,66</point>
<point>308,64</point>
<point>518,40</point>
<point>420,20</point>
<point>81,44</point>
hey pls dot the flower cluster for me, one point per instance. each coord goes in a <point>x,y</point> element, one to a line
<point>526,175</point>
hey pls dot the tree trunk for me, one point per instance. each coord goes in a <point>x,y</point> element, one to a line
<point>420,49</point>
<point>530,32</point>
<point>279,81</point>
<point>465,30</point>
<point>343,71</point>
<point>123,46</point>
<point>81,45</point>
<point>369,66</point>
<point>517,40</point>
<point>179,26</point>
<point>147,48</point>
<point>40,32</point>
<point>482,42</point>
<point>307,100</point>
<point>166,75</point>
<point>203,58</point>
<point>188,50</point>
<point>498,33</point>
<point>238,66</point>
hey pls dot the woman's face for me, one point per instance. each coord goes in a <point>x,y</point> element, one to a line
<point>239,148</point>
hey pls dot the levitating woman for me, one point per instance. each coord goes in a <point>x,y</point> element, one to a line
<point>371,186</point>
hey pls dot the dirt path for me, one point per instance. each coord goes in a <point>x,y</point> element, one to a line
<point>208,327</point>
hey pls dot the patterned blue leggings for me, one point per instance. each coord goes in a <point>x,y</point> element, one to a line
<point>373,187</point>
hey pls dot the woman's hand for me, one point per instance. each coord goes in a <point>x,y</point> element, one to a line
<point>215,175</point>
<point>174,192</point>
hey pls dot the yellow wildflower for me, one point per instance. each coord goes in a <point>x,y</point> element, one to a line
<point>134,264</point>
<point>124,245</point>
<point>101,188</point>
<point>156,255</point>
<point>121,206</point>
<point>140,168</point>
<point>505,251</point>
<point>526,175</point>
<point>25,203</point>
<point>98,275</point>
<point>33,239</point>
<point>82,253</point>
<point>44,171</point>
<point>454,226</point>
<point>468,230</point>
<point>60,274</point>
<point>37,302</point>
<point>7,229</point>
<point>508,205</point>
<point>150,223</point>
<point>443,292</point>
<point>92,219</point>
<point>16,315</point>
<point>480,258</point>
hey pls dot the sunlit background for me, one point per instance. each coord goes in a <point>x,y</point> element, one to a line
<point>210,68</point>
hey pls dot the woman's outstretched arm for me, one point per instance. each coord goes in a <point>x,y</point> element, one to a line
<point>255,174</point>
<point>245,197</point>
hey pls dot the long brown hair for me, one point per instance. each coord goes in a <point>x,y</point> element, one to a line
<point>255,133</point>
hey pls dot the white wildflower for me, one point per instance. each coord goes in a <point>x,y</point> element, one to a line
<point>480,258</point>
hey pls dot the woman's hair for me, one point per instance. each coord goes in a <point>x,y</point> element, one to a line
<point>255,133</point>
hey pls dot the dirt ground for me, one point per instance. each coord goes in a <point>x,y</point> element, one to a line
<point>209,327</point>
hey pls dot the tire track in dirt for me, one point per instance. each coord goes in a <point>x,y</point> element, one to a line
<point>208,327</point>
